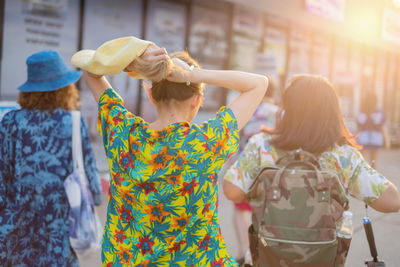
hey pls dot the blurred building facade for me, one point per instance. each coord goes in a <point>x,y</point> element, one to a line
<point>354,43</point>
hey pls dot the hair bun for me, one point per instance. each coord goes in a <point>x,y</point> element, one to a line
<point>154,71</point>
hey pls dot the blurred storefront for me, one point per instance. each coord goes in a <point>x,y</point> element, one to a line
<point>338,39</point>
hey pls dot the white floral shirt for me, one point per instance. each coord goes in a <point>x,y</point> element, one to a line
<point>361,181</point>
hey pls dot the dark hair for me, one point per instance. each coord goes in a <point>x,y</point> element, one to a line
<point>165,90</point>
<point>311,117</point>
<point>369,103</point>
<point>65,98</point>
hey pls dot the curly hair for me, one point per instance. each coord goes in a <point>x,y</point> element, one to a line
<point>64,98</point>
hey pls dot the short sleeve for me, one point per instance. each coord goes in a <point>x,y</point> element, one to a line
<point>366,183</point>
<point>7,131</point>
<point>221,133</point>
<point>256,155</point>
<point>112,115</point>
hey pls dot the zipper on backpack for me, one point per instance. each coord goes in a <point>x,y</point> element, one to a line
<point>264,242</point>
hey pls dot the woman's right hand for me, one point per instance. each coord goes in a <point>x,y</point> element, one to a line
<point>153,53</point>
<point>181,71</point>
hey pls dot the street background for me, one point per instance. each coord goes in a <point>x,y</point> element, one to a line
<point>386,227</point>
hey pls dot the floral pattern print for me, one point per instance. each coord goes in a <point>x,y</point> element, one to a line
<point>162,208</point>
<point>361,181</point>
<point>35,158</point>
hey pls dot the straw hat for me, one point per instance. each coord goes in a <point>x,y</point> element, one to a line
<point>47,72</point>
<point>112,57</point>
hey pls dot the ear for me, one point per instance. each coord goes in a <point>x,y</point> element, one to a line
<point>150,96</point>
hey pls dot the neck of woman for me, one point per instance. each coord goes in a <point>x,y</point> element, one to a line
<point>169,114</point>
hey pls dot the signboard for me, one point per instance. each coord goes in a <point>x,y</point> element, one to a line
<point>115,19</point>
<point>6,106</point>
<point>166,24</point>
<point>391,26</point>
<point>245,52</point>
<point>247,21</point>
<point>166,27</point>
<point>31,26</point>
<point>208,43</point>
<point>208,36</point>
<point>274,51</point>
<point>329,9</point>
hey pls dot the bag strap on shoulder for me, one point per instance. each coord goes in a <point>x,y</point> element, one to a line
<point>77,156</point>
<point>298,155</point>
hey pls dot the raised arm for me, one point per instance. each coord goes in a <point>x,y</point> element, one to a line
<point>98,84</point>
<point>252,87</point>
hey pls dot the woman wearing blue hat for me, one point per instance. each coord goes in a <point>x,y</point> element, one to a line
<point>35,159</point>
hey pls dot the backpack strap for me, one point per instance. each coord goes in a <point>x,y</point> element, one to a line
<point>299,155</point>
<point>278,175</point>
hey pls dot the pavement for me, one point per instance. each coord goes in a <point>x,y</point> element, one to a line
<point>386,227</point>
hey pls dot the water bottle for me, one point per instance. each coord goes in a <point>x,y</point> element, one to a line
<point>346,229</point>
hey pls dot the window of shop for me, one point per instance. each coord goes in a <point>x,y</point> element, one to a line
<point>208,42</point>
<point>32,26</point>
<point>272,59</point>
<point>246,40</point>
<point>166,26</point>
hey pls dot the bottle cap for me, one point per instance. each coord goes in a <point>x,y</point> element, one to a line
<point>366,220</point>
<point>348,214</point>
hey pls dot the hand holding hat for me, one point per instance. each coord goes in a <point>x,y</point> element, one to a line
<point>142,59</point>
<point>152,54</point>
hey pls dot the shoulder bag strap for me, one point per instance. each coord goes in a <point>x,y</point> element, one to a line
<point>77,145</point>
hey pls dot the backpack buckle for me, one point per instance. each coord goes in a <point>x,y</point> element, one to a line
<point>274,194</point>
<point>323,196</point>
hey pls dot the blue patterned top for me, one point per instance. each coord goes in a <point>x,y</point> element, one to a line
<point>35,158</point>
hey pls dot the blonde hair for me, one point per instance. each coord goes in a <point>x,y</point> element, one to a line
<point>154,71</point>
<point>164,90</point>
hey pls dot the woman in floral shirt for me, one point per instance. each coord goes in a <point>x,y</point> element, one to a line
<point>312,120</point>
<point>162,208</point>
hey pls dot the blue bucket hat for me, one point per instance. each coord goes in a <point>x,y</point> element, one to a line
<point>48,72</point>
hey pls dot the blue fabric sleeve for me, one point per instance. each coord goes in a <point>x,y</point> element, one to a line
<point>89,160</point>
<point>7,130</point>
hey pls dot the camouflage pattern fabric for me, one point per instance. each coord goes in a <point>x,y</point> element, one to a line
<point>296,210</point>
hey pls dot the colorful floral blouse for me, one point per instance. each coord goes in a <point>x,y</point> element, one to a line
<point>163,208</point>
<point>361,181</point>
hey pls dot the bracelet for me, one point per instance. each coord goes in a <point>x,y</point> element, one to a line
<point>190,76</point>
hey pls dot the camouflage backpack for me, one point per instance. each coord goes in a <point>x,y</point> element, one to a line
<point>297,208</point>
